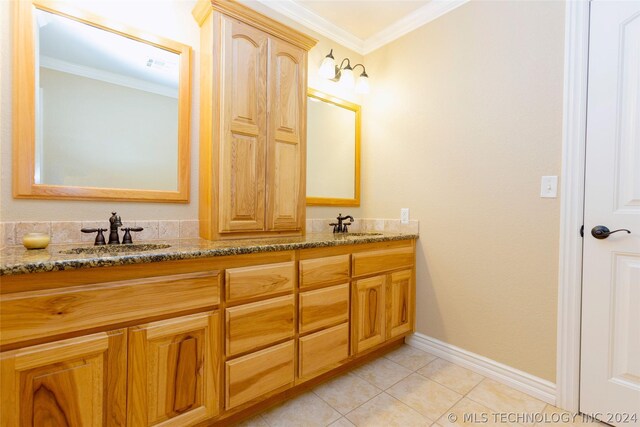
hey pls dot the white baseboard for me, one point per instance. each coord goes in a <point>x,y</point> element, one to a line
<point>519,380</point>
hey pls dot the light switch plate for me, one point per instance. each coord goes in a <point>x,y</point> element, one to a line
<point>404,216</point>
<point>549,187</point>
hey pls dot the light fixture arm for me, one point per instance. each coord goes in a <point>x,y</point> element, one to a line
<point>342,63</point>
<point>364,70</point>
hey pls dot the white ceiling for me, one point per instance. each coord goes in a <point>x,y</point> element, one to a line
<point>363,18</point>
<point>362,25</point>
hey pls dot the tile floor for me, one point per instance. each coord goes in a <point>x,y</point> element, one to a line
<point>409,387</point>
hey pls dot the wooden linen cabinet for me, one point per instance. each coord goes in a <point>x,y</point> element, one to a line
<point>253,123</point>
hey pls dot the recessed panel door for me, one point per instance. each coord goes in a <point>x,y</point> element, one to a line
<point>174,371</point>
<point>74,382</point>
<point>610,355</point>
<point>243,128</point>
<point>287,136</point>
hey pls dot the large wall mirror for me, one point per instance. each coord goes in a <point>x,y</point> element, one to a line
<point>101,111</point>
<point>333,151</point>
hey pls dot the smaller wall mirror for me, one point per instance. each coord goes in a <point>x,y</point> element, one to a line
<point>333,151</point>
<point>102,111</point>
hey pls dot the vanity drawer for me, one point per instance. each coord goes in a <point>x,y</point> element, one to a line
<point>324,307</point>
<point>372,262</point>
<point>323,350</point>
<point>258,373</point>
<point>259,281</point>
<point>36,314</point>
<point>324,270</point>
<point>251,326</point>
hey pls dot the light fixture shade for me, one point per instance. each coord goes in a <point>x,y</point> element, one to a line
<point>328,67</point>
<point>362,85</point>
<point>346,79</point>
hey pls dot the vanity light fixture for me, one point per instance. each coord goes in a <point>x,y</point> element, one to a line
<point>344,73</point>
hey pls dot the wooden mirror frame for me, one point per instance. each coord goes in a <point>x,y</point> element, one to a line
<point>24,115</point>
<point>330,201</point>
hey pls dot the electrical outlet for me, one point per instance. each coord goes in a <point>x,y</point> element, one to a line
<point>404,215</point>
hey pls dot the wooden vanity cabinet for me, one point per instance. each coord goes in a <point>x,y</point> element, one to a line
<point>195,342</point>
<point>253,123</point>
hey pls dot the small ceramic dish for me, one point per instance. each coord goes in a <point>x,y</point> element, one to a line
<point>35,240</point>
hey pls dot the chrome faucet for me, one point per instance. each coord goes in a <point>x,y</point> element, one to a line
<point>340,226</point>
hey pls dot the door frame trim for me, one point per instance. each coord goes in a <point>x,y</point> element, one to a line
<point>572,204</point>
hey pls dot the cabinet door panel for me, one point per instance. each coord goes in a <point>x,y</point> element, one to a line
<point>378,261</point>
<point>324,307</point>
<point>317,271</point>
<point>259,281</point>
<point>369,313</point>
<point>287,136</point>
<point>251,376</point>
<point>400,303</point>
<point>244,128</point>
<point>66,310</point>
<point>323,350</point>
<point>75,382</point>
<point>173,371</point>
<point>251,326</point>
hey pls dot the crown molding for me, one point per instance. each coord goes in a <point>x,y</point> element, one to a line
<point>427,13</point>
<point>295,10</point>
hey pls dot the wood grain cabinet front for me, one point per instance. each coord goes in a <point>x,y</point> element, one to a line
<point>142,349</point>
<point>256,374</point>
<point>286,141</point>
<point>75,382</point>
<point>400,303</point>
<point>70,309</point>
<point>173,371</point>
<point>251,326</point>
<point>378,261</point>
<point>327,270</point>
<point>323,307</point>
<point>253,124</point>
<point>368,317</point>
<point>323,350</point>
<point>259,281</point>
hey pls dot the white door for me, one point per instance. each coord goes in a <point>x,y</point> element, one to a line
<point>610,354</point>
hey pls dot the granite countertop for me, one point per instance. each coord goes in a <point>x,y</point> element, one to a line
<point>18,260</point>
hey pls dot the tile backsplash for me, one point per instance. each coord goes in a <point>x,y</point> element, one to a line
<point>11,233</point>
<point>365,224</point>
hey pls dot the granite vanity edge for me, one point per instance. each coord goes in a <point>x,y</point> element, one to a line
<point>169,255</point>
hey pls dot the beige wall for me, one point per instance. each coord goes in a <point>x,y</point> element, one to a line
<point>466,113</point>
